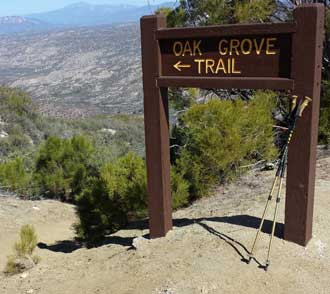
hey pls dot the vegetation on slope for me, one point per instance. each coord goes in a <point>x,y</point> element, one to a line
<point>97,163</point>
<point>216,138</point>
<point>32,146</point>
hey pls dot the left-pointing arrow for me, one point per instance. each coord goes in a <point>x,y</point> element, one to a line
<point>180,65</point>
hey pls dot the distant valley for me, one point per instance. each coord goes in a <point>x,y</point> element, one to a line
<point>76,72</point>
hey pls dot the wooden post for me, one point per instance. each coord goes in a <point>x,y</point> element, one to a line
<point>156,130</point>
<point>306,72</point>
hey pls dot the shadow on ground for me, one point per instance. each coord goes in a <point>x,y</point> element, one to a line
<point>239,220</point>
<point>68,246</point>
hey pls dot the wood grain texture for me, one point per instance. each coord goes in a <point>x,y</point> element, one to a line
<point>156,131</point>
<point>306,72</point>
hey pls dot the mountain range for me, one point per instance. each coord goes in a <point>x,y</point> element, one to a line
<point>77,15</point>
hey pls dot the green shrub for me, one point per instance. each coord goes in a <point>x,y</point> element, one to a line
<point>129,181</point>
<point>220,136</point>
<point>23,257</point>
<point>211,12</point>
<point>62,166</point>
<point>27,242</point>
<point>324,131</point>
<point>108,201</point>
<point>324,125</point>
<point>180,189</point>
<point>254,11</point>
<point>21,117</point>
<point>98,214</point>
<point>14,176</point>
<point>183,98</point>
<point>17,100</point>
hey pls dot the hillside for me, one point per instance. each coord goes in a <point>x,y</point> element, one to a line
<point>203,254</point>
<point>23,129</point>
<point>77,72</point>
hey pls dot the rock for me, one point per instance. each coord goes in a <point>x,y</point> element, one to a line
<point>140,243</point>
<point>111,131</point>
<point>24,275</point>
<point>269,166</point>
<point>165,290</point>
<point>3,134</point>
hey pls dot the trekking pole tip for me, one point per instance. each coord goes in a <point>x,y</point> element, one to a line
<point>267,265</point>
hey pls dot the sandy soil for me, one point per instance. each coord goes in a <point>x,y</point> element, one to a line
<point>202,254</point>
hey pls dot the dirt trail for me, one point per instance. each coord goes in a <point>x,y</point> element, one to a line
<point>202,254</point>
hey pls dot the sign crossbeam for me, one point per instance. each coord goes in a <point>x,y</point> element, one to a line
<point>226,30</point>
<point>226,83</point>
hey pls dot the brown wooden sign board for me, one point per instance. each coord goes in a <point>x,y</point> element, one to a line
<point>240,56</point>
<point>281,56</point>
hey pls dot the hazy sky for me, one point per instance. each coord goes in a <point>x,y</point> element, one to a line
<point>21,7</point>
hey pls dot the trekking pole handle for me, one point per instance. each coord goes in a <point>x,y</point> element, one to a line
<point>294,102</point>
<point>304,105</point>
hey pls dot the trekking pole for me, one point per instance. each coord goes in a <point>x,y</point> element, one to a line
<point>295,112</point>
<point>269,199</point>
<point>278,199</point>
<point>270,196</point>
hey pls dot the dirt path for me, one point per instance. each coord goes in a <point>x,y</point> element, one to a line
<point>203,254</point>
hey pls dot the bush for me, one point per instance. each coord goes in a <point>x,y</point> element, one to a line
<point>27,243</point>
<point>17,101</point>
<point>254,11</point>
<point>20,117</point>
<point>218,137</point>
<point>324,129</point>
<point>62,166</point>
<point>180,189</point>
<point>23,257</point>
<point>98,213</point>
<point>183,98</point>
<point>324,132</point>
<point>14,176</point>
<point>117,196</point>
<point>110,200</point>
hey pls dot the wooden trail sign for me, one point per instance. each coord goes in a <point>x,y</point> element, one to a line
<point>227,56</point>
<point>281,56</point>
<point>230,56</point>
